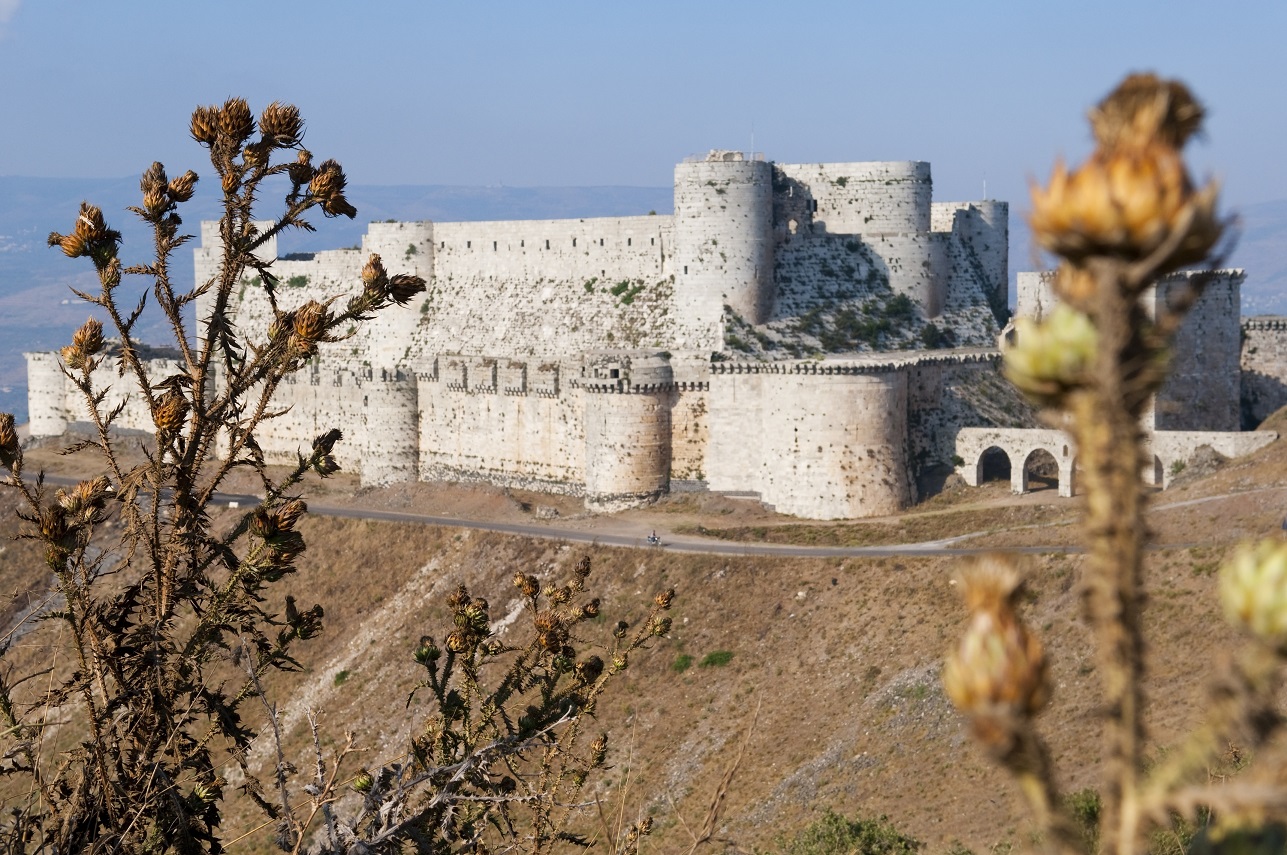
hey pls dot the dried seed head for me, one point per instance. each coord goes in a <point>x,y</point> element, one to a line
<point>458,641</point>
<point>619,662</point>
<point>998,671</point>
<point>72,245</point>
<point>236,122</point>
<point>310,322</point>
<point>301,171</point>
<point>527,584</point>
<point>665,598</point>
<point>181,188</point>
<point>205,124</point>
<point>285,517</point>
<point>559,595</point>
<point>374,277</point>
<point>620,630</point>
<point>547,621</point>
<point>582,569</point>
<point>170,411</point>
<point>326,442</point>
<point>589,670</point>
<point>257,154</point>
<point>1253,590</point>
<point>10,449</point>
<point>89,338</point>
<point>599,750</point>
<point>550,640</point>
<point>660,626</point>
<point>231,181</point>
<point>403,287</point>
<point>280,123</point>
<point>458,598</point>
<point>327,186</point>
<point>590,610</point>
<point>645,825</point>
<point>1134,194</point>
<point>1144,109</point>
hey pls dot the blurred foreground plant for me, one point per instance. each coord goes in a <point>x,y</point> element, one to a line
<point>150,614</point>
<point>1119,222</point>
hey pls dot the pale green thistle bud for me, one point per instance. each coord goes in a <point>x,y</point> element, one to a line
<point>1253,589</point>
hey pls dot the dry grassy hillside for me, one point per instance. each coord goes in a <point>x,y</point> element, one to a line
<point>830,666</point>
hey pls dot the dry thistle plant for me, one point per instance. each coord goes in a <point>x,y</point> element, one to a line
<point>502,762</point>
<point>149,621</point>
<point>1126,217</point>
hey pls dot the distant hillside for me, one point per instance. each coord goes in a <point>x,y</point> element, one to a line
<point>37,312</point>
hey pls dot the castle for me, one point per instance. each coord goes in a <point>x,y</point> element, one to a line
<point>817,335</point>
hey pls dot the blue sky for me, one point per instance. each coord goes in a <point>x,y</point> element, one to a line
<point>594,93</point>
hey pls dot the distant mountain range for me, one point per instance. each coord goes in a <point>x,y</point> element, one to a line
<point>38,312</point>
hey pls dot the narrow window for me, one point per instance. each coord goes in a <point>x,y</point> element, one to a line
<point>493,246</point>
<point>522,243</point>
<point>600,241</point>
<point>574,241</point>
<point>813,206</point>
<point>547,244</point>
<point>442,245</point>
<point>652,241</point>
<point>685,269</point>
<point>614,373</point>
<point>469,244</point>
<point>628,241</point>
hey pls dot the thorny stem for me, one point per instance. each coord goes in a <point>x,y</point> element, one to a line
<point>1106,425</point>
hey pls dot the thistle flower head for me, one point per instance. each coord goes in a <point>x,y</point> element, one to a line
<point>997,672</point>
<point>10,449</point>
<point>403,287</point>
<point>236,122</point>
<point>170,411</point>
<point>327,187</point>
<point>1144,109</point>
<point>1133,196</point>
<point>281,125</point>
<point>374,278</point>
<point>205,124</point>
<point>181,188</point>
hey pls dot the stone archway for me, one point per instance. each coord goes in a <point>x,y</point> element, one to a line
<point>993,465</point>
<point>1041,471</point>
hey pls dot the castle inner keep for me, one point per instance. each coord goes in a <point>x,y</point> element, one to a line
<point>816,335</point>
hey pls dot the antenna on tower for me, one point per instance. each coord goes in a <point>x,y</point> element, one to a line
<point>985,186</point>
<point>752,139</point>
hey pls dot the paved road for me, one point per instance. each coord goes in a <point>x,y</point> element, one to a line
<point>682,543</point>
<point>671,542</point>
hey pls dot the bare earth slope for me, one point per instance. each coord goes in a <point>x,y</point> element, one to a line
<point>833,675</point>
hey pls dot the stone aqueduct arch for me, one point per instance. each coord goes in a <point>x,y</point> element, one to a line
<point>1019,444</point>
<point>1166,448</point>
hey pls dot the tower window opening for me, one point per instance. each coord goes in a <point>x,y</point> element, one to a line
<point>685,269</point>
<point>574,241</point>
<point>469,244</point>
<point>652,241</point>
<point>493,246</point>
<point>600,241</point>
<point>813,206</point>
<point>522,243</point>
<point>628,241</point>
<point>547,244</point>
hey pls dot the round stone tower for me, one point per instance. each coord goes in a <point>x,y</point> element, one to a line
<point>627,429</point>
<point>723,225</point>
<point>389,444</point>
<point>46,398</point>
<point>403,248</point>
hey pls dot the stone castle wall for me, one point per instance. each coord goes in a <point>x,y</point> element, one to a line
<point>504,371</point>
<point>1264,368</point>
